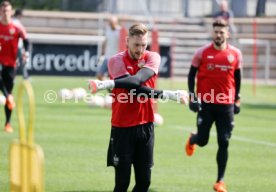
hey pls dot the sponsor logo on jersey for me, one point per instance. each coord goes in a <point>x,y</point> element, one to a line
<point>224,67</point>
<point>12,31</point>
<point>210,66</point>
<point>115,160</point>
<point>210,57</point>
<point>141,63</point>
<point>230,58</point>
<point>129,67</point>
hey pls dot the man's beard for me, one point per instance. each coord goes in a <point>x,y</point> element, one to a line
<point>218,42</point>
<point>134,55</point>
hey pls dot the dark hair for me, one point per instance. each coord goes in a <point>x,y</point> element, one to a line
<point>137,29</point>
<point>18,13</point>
<point>220,23</point>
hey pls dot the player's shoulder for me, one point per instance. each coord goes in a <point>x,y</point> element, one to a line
<point>17,24</point>
<point>203,48</point>
<point>152,54</point>
<point>234,49</point>
<point>117,58</point>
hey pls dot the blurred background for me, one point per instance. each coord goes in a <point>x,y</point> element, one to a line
<point>67,39</point>
<point>76,28</point>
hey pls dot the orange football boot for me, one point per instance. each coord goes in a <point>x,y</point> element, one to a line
<point>190,149</point>
<point>220,187</point>
<point>8,128</point>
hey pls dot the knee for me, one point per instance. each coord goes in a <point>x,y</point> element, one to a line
<point>223,142</point>
<point>202,142</point>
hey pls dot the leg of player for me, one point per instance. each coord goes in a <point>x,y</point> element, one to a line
<point>143,157</point>
<point>224,126</point>
<point>8,75</point>
<point>122,178</point>
<point>205,119</point>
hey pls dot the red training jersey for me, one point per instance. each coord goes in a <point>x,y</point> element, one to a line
<point>215,77</point>
<point>129,110</point>
<point>9,36</point>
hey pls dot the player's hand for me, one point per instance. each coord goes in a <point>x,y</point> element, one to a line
<point>97,85</point>
<point>194,104</point>
<point>93,85</point>
<point>182,96</point>
<point>237,107</point>
<point>25,57</point>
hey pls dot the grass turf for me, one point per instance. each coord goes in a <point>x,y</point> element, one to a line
<point>75,137</point>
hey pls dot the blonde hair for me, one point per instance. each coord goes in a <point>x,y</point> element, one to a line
<point>137,29</point>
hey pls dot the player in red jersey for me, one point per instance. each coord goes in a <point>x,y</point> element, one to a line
<point>9,36</point>
<point>132,72</point>
<point>217,99</point>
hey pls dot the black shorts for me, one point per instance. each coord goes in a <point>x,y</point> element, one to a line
<point>8,75</point>
<point>220,114</point>
<point>131,145</point>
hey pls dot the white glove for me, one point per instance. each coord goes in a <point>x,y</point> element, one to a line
<point>96,85</point>
<point>180,96</point>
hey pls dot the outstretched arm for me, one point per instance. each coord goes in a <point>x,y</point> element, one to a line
<point>134,83</point>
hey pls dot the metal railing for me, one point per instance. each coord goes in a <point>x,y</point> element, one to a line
<point>263,43</point>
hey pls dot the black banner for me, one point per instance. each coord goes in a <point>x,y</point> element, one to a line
<point>165,66</point>
<point>65,60</point>
<point>77,60</point>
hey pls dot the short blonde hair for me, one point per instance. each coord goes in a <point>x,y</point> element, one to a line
<point>137,29</point>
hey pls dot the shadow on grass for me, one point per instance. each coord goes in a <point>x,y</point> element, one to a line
<point>259,106</point>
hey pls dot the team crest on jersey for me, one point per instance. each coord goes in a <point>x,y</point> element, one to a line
<point>230,58</point>
<point>210,66</point>
<point>141,63</point>
<point>12,31</point>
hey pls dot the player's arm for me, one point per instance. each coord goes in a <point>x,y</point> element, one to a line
<point>25,53</point>
<point>237,76</point>
<point>191,80</point>
<point>26,44</point>
<point>127,81</point>
<point>133,83</point>
<point>194,104</point>
<point>142,89</point>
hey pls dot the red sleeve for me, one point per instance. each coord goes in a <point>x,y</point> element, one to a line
<point>153,61</point>
<point>21,30</point>
<point>240,59</point>
<point>116,66</point>
<point>197,57</point>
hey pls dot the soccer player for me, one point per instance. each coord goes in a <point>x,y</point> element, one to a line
<point>132,131</point>
<point>217,66</point>
<point>9,36</point>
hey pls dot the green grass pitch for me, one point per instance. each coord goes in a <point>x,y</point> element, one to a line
<point>75,137</point>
